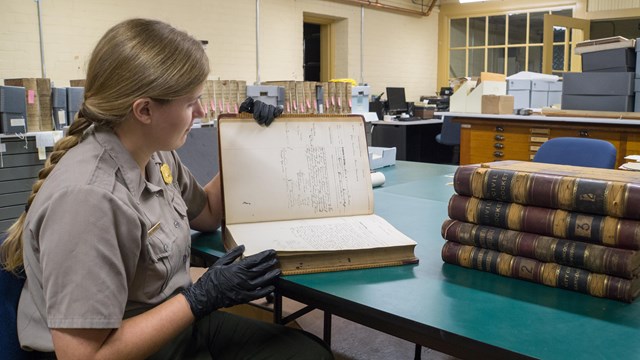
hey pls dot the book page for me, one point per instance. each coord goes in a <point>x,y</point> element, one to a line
<point>327,234</point>
<point>294,169</point>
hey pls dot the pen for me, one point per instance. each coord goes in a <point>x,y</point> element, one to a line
<point>153,229</point>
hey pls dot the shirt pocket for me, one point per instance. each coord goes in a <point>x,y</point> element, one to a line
<point>158,268</point>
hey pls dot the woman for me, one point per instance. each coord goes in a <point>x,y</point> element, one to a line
<point>105,240</point>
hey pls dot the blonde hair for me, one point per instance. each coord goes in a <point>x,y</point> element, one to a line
<point>135,58</point>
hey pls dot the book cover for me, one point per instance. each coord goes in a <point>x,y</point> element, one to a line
<point>596,229</point>
<point>595,258</point>
<point>550,274</point>
<point>302,186</point>
<point>572,188</point>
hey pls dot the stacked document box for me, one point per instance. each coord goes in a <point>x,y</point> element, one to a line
<point>598,91</point>
<point>521,92</point>
<point>545,93</point>
<point>13,110</point>
<point>607,79</point>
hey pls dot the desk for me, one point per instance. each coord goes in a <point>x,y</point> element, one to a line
<point>413,140</point>
<point>463,312</point>
<point>485,137</point>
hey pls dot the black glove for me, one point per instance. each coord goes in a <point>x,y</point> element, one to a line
<point>229,283</point>
<point>263,113</point>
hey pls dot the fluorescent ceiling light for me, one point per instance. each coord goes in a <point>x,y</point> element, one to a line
<point>469,1</point>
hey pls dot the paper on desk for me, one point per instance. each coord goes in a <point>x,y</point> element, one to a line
<point>529,75</point>
<point>630,166</point>
<point>632,157</point>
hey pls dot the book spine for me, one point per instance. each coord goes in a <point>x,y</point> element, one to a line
<point>596,229</point>
<point>601,197</point>
<point>595,258</point>
<point>550,274</point>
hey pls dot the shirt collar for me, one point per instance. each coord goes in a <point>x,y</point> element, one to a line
<point>129,170</point>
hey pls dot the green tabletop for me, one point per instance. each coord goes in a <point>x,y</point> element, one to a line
<point>461,311</point>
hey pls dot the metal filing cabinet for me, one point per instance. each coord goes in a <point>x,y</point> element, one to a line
<point>19,167</point>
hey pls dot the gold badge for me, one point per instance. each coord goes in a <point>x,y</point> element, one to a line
<point>166,174</point>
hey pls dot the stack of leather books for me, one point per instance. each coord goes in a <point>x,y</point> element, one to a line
<point>568,227</point>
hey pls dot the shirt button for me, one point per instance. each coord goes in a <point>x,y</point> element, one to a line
<point>166,247</point>
<point>157,194</point>
<point>176,224</point>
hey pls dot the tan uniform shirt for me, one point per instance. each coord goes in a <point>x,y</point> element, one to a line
<point>101,242</point>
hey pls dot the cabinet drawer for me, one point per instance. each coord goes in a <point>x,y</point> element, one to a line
<point>507,143</point>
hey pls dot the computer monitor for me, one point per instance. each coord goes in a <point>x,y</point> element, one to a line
<point>396,100</point>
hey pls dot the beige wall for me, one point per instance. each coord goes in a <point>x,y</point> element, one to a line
<point>399,50</point>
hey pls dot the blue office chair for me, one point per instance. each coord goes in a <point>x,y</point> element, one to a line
<point>450,135</point>
<point>578,152</point>
<point>10,288</point>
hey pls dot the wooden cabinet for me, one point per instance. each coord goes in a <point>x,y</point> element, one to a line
<point>484,138</point>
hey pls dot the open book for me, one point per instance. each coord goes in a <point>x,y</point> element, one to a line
<point>302,186</point>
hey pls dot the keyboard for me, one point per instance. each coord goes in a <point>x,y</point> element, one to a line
<point>412,118</point>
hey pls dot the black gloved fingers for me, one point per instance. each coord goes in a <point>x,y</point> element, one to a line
<point>231,256</point>
<point>247,105</point>
<point>255,259</point>
<point>246,296</point>
<point>277,111</point>
<point>264,280</point>
<point>255,270</point>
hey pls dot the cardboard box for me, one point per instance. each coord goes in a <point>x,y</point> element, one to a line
<point>497,104</point>
<point>424,112</point>
<point>489,76</point>
<point>474,100</point>
<point>77,82</point>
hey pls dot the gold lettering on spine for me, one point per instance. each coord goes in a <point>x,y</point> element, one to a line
<point>487,262</point>
<point>576,280</point>
<point>583,226</point>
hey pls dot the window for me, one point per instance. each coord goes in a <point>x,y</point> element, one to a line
<point>504,43</point>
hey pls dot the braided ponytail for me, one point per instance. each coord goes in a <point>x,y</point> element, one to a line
<point>11,249</point>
